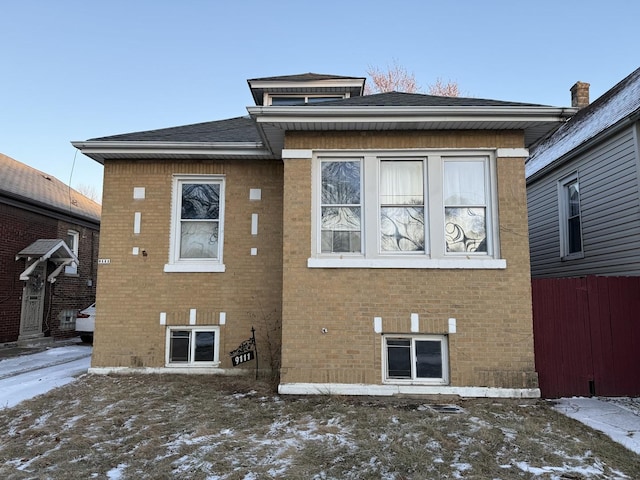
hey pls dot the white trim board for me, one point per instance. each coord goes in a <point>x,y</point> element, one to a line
<point>389,390</point>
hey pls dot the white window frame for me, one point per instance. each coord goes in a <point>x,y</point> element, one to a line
<point>563,217</point>
<point>192,331</point>
<point>68,319</point>
<point>414,380</point>
<point>329,97</point>
<point>72,269</point>
<point>435,255</point>
<point>175,263</point>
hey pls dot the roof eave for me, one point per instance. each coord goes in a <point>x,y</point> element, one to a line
<point>536,121</point>
<point>101,150</point>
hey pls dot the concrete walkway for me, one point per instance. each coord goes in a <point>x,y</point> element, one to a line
<point>619,418</point>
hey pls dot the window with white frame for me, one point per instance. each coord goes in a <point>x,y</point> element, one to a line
<point>283,100</point>
<point>197,224</point>
<point>570,217</point>
<point>193,346</point>
<point>72,241</point>
<point>416,359</point>
<point>388,210</point>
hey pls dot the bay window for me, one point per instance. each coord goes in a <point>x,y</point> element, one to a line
<point>419,210</point>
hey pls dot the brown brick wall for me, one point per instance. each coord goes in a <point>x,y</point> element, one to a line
<point>493,345</point>
<point>133,290</point>
<point>75,291</point>
<point>19,228</point>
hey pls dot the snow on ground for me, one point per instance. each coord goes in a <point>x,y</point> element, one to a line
<point>27,376</point>
<point>619,418</point>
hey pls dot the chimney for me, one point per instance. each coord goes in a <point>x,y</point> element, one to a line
<point>580,95</point>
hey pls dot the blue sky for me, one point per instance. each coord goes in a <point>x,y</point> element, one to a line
<point>79,69</point>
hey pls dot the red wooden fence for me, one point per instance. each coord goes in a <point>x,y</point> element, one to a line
<point>587,336</point>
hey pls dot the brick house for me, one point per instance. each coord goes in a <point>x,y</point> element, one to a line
<point>49,236</point>
<point>378,244</point>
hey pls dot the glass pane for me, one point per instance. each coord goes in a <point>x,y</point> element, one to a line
<point>401,183</point>
<point>574,199</point>
<point>179,346</point>
<point>204,346</point>
<point>402,229</point>
<point>464,183</point>
<point>71,242</point>
<point>340,183</point>
<point>575,239</point>
<point>465,229</point>
<point>321,99</point>
<point>287,100</point>
<point>399,358</point>
<point>428,359</point>
<point>340,229</point>
<point>199,240</point>
<point>341,218</point>
<point>200,201</point>
<point>340,242</point>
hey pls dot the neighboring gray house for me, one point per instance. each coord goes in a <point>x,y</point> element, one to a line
<point>583,188</point>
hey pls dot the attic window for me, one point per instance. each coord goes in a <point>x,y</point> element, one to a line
<point>284,100</point>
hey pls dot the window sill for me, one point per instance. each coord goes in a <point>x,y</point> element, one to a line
<point>572,256</point>
<point>208,366</point>
<point>420,383</point>
<point>425,263</point>
<point>194,267</point>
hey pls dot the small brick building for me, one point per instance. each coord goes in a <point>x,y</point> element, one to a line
<point>377,244</point>
<point>44,227</point>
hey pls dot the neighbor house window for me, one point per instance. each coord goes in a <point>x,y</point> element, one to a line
<point>72,241</point>
<point>67,319</point>
<point>197,226</point>
<point>192,346</point>
<point>416,359</point>
<point>570,218</point>
<point>426,210</point>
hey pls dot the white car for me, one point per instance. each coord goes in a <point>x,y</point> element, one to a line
<point>86,323</point>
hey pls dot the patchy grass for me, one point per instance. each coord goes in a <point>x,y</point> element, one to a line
<point>209,427</point>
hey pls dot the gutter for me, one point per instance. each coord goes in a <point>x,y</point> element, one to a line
<point>412,113</point>
<point>111,147</point>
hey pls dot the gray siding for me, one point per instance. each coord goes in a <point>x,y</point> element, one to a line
<point>610,207</point>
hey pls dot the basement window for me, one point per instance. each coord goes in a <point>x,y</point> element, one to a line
<point>193,346</point>
<point>419,359</point>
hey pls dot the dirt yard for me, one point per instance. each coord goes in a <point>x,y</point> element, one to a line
<point>210,427</point>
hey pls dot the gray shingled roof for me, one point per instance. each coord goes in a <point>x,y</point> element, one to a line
<point>45,246</point>
<point>26,184</point>
<point>614,106</point>
<point>400,99</point>
<point>239,129</point>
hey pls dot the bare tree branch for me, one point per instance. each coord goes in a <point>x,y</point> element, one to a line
<point>396,78</point>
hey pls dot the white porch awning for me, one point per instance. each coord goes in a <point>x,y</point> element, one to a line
<point>55,250</point>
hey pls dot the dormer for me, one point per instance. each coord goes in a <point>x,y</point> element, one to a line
<point>304,88</point>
